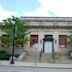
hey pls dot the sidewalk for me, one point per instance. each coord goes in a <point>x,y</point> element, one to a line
<point>29,64</point>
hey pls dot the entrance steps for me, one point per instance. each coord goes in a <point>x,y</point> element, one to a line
<point>46,58</point>
<point>32,57</point>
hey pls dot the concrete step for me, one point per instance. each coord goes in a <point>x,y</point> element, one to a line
<point>46,58</point>
<point>31,57</point>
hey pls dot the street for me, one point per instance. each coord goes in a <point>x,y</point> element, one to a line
<point>31,69</point>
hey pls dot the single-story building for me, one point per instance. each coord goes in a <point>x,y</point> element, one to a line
<point>49,33</point>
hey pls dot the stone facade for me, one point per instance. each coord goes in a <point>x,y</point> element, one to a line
<point>42,26</point>
<point>54,26</point>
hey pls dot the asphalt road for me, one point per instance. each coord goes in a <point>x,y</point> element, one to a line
<point>31,69</point>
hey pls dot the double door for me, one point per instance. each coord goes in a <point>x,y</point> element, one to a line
<point>48,47</point>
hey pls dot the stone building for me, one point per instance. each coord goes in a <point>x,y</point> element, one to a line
<point>49,33</point>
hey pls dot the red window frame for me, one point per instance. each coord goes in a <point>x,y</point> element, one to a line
<point>33,40</point>
<point>62,41</point>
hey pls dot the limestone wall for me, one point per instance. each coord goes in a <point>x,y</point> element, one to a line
<point>55,32</point>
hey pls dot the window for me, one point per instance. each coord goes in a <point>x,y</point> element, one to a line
<point>62,41</point>
<point>48,36</point>
<point>33,39</point>
<point>4,39</point>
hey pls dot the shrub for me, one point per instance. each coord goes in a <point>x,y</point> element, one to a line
<point>4,55</point>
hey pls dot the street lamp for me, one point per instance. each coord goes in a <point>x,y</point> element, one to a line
<point>14,27</point>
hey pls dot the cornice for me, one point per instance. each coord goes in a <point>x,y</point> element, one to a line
<point>50,27</point>
<point>51,19</point>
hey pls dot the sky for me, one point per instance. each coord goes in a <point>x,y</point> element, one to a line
<point>43,8</point>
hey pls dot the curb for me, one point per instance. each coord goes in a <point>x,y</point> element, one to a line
<point>37,65</point>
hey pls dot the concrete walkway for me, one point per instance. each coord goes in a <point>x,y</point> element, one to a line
<point>29,64</point>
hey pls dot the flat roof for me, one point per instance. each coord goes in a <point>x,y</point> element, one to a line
<point>46,18</point>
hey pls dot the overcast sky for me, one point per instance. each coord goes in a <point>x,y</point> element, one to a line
<point>48,8</point>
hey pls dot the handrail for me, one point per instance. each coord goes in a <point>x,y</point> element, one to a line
<point>40,55</point>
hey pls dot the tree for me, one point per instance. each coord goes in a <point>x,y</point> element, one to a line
<point>20,30</point>
<point>70,39</point>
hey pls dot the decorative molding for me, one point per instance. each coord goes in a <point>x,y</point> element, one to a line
<point>48,22</point>
<point>50,27</point>
<point>48,19</point>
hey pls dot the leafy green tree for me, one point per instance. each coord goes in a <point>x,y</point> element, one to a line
<point>70,39</point>
<point>20,32</point>
<point>70,42</point>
